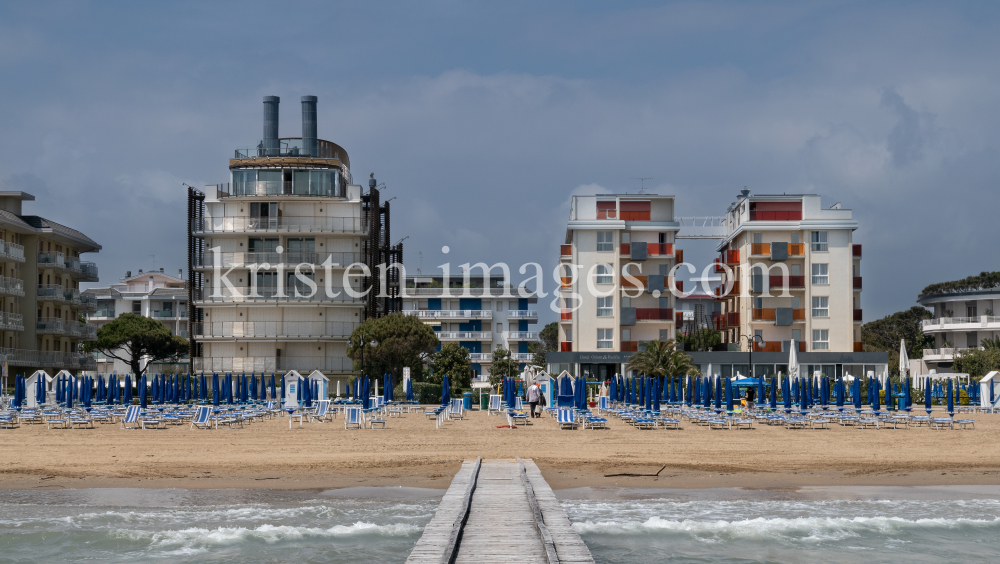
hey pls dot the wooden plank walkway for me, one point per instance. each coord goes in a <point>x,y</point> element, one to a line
<point>498,521</point>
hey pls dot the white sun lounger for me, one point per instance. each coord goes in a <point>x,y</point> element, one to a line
<point>322,412</point>
<point>494,406</point>
<point>131,418</point>
<point>353,418</point>
<point>567,418</point>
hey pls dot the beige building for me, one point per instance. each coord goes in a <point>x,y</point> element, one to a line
<point>40,299</point>
<point>962,320</point>
<point>616,264</point>
<point>793,272</point>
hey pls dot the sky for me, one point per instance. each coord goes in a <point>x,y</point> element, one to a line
<point>482,119</point>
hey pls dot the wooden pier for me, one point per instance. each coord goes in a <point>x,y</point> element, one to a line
<point>499,511</point>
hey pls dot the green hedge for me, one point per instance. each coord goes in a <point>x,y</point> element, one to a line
<point>423,392</point>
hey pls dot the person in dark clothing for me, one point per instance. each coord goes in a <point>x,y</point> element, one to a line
<point>751,394</point>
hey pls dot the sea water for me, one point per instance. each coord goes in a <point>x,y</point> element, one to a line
<point>863,525</point>
<point>208,526</point>
<point>890,525</point>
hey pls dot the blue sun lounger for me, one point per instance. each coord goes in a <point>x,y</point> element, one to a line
<point>567,418</point>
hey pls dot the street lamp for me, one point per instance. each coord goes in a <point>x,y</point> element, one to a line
<point>751,340</point>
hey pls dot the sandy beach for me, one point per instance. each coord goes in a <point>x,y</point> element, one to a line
<point>411,452</point>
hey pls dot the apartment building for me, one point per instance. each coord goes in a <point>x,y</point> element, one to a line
<point>154,294</point>
<point>270,255</point>
<point>615,293</point>
<point>793,272</point>
<point>962,320</point>
<point>481,317</point>
<point>40,299</point>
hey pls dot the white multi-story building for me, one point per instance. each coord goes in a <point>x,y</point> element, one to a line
<point>962,320</point>
<point>480,318</point>
<point>795,273</point>
<point>291,205</point>
<point>607,309</point>
<point>152,294</point>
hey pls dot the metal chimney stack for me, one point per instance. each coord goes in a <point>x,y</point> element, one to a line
<point>271,126</point>
<point>309,126</point>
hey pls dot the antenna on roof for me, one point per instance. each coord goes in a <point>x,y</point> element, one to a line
<point>420,261</point>
<point>642,184</point>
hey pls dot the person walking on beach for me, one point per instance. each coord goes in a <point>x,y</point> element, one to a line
<point>751,394</point>
<point>534,393</point>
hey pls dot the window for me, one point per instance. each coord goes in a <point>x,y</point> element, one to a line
<point>821,339</point>
<point>821,306</point>
<point>605,338</point>
<point>605,306</point>
<point>797,335</point>
<point>795,270</point>
<point>819,241</point>
<point>626,334</point>
<point>758,303</point>
<point>137,308</point>
<point>604,274</point>
<point>796,302</point>
<point>758,238</point>
<point>605,241</point>
<point>626,302</point>
<point>569,335</point>
<point>626,237</point>
<point>795,238</point>
<point>821,274</point>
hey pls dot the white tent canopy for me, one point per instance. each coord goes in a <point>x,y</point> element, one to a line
<point>920,381</point>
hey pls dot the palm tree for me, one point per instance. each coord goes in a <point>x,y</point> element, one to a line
<point>661,358</point>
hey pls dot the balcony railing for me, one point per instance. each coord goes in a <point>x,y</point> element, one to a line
<point>779,281</point>
<point>12,321</point>
<point>58,294</point>
<point>856,251</point>
<point>565,250</point>
<point>49,359</point>
<point>654,314</point>
<point>948,353</point>
<point>522,314</point>
<point>626,283</point>
<point>11,286</point>
<point>284,224</point>
<point>168,314</point>
<point>720,292</point>
<point>465,335</point>
<point>732,319</point>
<point>981,322</point>
<point>460,292</point>
<point>449,313</point>
<point>775,216</point>
<point>796,249</point>
<point>480,357</point>
<point>51,260</point>
<point>858,347</point>
<point>566,315</point>
<point>103,314</point>
<point>522,357</point>
<point>565,347</point>
<point>767,346</point>
<point>11,251</point>
<point>732,257</point>
<point>302,364</point>
<point>630,346</point>
<point>273,329</point>
<point>50,326</point>
<point>266,294</point>
<point>857,315</point>
<point>70,328</point>
<point>522,335</point>
<point>238,259</point>
<point>759,249</point>
<point>857,282</point>
<point>763,314</point>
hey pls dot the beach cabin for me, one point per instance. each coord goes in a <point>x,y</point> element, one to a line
<point>32,381</point>
<point>292,382</point>
<point>990,381</point>
<point>320,383</point>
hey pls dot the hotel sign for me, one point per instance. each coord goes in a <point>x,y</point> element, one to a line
<point>588,357</point>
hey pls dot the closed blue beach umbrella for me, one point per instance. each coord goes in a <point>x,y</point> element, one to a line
<point>409,390</point>
<point>840,393</point>
<point>215,389</point>
<point>718,393</point>
<point>876,398</point>
<point>274,389</point>
<point>656,394</point>
<point>128,389</point>
<point>707,399</point>
<point>445,390</point>
<point>773,400</point>
<point>786,394</point>
<point>907,394</point>
<point>692,397</point>
<point>143,399</point>
<point>68,393</point>
<point>951,399</point>
<point>927,395</point>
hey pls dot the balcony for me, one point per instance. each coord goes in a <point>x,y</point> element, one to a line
<point>760,249</point>
<point>11,252</point>
<point>857,282</point>
<point>168,314</point>
<point>626,283</point>
<point>565,347</point>
<point>767,346</point>
<point>983,322</point>
<point>718,266</point>
<point>103,314</point>
<point>522,357</point>
<point>679,284</point>
<point>450,313</point>
<point>732,319</point>
<point>857,315</point>
<point>565,250</point>
<point>273,329</point>
<point>72,328</point>
<point>481,357</point>
<point>858,347</point>
<point>281,224</point>
<point>764,314</point>
<point>462,292</point>
<point>778,281</point>
<point>731,257</point>
<point>654,314</point>
<point>946,354</point>
<point>775,216</point>
<point>522,335</point>
<point>799,314</point>
<point>50,326</point>
<point>566,315</point>
<point>464,335</point>
<point>630,346</point>
<point>566,282</point>
<point>522,314</point>
<point>302,364</point>
<point>721,293</point>
<point>12,321</point>
<point>340,260</point>
<point>51,260</point>
<point>11,286</point>
<point>652,249</point>
<point>269,294</point>
<point>49,359</point>
<point>796,249</point>
<point>856,251</point>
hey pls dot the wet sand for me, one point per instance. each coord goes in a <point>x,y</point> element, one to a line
<point>412,453</point>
